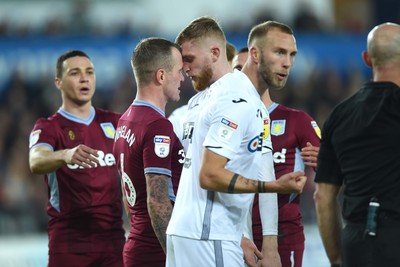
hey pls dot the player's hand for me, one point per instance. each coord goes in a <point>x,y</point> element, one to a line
<point>292,182</point>
<point>82,155</point>
<point>271,260</point>
<point>250,252</point>
<point>309,155</point>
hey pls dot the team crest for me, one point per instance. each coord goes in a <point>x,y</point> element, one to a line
<point>34,137</point>
<point>278,127</point>
<point>316,128</point>
<point>226,128</point>
<point>108,129</point>
<point>161,145</point>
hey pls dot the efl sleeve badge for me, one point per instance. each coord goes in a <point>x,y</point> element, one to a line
<point>161,145</point>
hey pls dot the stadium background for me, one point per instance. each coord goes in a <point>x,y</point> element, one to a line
<point>330,37</point>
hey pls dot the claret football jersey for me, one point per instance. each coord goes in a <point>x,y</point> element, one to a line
<point>84,203</point>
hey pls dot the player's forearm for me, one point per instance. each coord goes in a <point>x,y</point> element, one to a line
<point>270,252</point>
<point>233,183</point>
<point>330,226</point>
<point>214,177</point>
<point>229,182</point>
<point>159,205</point>
<point>160,214</point>
<point>41,162</point>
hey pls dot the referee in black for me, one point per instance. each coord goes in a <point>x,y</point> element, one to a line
<point>360,154</point>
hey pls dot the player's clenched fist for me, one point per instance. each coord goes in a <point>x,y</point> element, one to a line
<point>292,182</point>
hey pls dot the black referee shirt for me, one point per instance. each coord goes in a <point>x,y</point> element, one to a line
<point>360,149</point>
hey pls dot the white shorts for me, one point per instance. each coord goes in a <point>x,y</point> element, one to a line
<point>183,252</point>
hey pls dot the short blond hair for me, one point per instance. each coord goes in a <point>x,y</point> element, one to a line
<point>201,28</point>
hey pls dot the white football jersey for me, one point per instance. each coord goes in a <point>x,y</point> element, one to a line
<point>177,118</point>
<point>232,122</point>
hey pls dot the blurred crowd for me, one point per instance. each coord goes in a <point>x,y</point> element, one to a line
<point>23,196</point>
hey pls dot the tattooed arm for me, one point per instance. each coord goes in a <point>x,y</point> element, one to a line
<point>158,205</point>
<point>214,177</point>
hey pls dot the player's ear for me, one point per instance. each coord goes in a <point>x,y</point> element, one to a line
<point>160,76</point>
<point>254,54</point>
<point>215,53</point>
<point>366,58</point>
<point>58,82</point>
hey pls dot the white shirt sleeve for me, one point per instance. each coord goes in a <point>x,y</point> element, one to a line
<point>268,202</point>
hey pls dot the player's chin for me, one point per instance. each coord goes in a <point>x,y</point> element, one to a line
<point>177,97</point>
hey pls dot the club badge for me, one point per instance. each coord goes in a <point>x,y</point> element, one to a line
<point>108,129</point>
<point>278,127</point>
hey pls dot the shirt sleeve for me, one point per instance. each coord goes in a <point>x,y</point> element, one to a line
<point>328,170</point>
<point>157,148</point>
<point>43,134</point>
<point>307,130</point>
<point>228,123</point>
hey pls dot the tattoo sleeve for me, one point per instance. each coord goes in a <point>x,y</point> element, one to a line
<point>159,205</point>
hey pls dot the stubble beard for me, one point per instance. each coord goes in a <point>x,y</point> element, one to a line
<point>270,78</point>
<point>204,79</point>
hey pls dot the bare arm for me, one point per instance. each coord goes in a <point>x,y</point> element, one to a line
<point>43,160</point>
<point>159,205</point>
<point>270,252</point>
<point>250,252</point>
<point>309,154</point>
<point>329,219</point>
<point>213,176</point>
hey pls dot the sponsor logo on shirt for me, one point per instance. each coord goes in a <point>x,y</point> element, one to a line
<point>255,144</point>
<point>278,127</point>
<point>316,129</point>
<point>280,156</point>
<point>105,160</point>
<point>161,145</point>
<point>266,128</point>
<point>108,129</point>
<point>34,137</point>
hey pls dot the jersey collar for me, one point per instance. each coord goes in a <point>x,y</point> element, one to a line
<point>78,119</point>
<point>138,102</point>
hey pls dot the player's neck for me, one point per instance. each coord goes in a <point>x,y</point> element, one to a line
<point>258,82</point>
<point>82,111</point>
<point>220,71</point>
<point>266,99</point>
<point>387,74</point>
<point>153,98</point>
